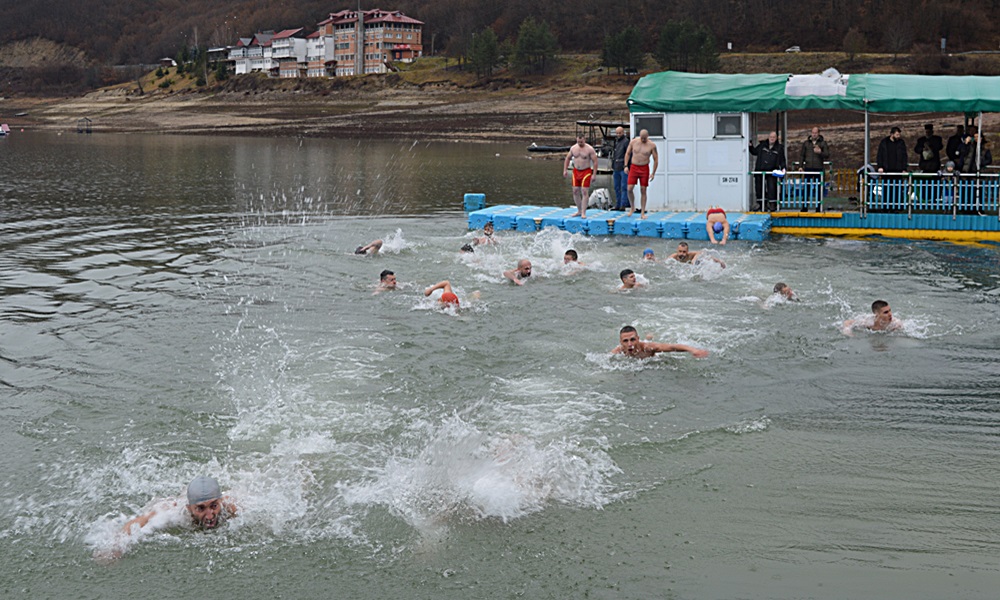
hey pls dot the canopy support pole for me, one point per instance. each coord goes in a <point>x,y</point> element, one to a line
<point>864,170</point>
<point>784,138</point>
<point>979,151</point>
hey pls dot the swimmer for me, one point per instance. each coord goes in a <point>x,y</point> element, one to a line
<point>628,280</point>
<point>206,506</point>
<point>386,281</point>
<point>522,272</point>
<point>487,235</point>
<point>684,255</point>
<point>448,297</point>
<point>370,249</point>
<point>785,291</point>
<point>571,257</point>
<point>629,345</point>
<point>715,222</point>
<point>881,319</point>
<point>648,254</point>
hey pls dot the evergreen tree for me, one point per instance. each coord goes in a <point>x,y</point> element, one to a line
<point>536,45</point>
<point>484,52</point>
<point>623,50</point>
<point>686,46</point>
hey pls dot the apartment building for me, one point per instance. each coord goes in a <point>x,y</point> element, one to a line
<point>370,40</point>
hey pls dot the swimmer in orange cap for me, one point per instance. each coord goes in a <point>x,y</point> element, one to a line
<point>448,297</point>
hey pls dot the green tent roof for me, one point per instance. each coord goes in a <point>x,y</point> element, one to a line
<point>673,91</point>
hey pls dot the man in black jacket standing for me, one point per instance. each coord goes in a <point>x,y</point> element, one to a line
<point>770,156</point>
<point>892,156</point>
<point>618,174</point>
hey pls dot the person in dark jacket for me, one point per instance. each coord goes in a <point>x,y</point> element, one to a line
<point>619,176</point>
<point>770,157</point>
<point>967,153</point>
<point>814,152</point>
<point>954,143</point>
<point>928,150</point>
<point>892,156</point>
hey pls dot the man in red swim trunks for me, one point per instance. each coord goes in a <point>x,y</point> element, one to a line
<point>584,159</point>
<point>637,165</point>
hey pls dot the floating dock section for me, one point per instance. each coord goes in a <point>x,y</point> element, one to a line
<point>753,227</point>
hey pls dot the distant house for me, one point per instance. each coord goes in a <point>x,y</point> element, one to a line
<point>288,54</point>
<point>252,54</point>
<point>166,63</point>
<point>320,55</point>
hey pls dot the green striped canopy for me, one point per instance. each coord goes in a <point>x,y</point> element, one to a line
<point>672,91</point>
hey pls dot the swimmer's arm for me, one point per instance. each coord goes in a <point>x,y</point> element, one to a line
<point>718,261</point>
<point>628,156</point>
<point>438,286</point>
<point>847,327</point>
<point>569,155</point>
<point>673,256</point>
<point>617,350</point>
<point>656,159</point>
<point>141,521</point>
<point>661,347</point>
<point>511,275</point>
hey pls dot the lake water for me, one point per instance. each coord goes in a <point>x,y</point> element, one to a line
<point>172,306</point>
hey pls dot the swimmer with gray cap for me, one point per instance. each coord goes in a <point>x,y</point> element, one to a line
<point>206,506</point>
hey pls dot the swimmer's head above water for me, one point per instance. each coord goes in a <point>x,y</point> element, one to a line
<point>204,501</point>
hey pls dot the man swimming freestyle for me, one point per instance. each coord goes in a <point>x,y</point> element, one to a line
<point>206,506</point>
<point>630,345</point>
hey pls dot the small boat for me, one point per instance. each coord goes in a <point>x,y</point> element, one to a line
<point>536,148</point>
<point>4,129</point>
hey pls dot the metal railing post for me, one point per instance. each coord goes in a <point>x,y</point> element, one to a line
<point>909,196</point>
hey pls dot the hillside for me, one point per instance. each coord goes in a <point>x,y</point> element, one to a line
<point>431,99</point>
<point>112,32</point>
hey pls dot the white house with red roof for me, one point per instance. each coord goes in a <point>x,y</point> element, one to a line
<point>252,54</point>
<point>319,55</point>
<point>288,53</point>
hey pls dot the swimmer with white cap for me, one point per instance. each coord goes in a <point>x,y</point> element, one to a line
<point>206,505</point>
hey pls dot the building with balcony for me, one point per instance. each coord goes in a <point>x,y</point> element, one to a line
<point>369,41</point>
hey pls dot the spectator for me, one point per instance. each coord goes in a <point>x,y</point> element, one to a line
<point>618,174</point>
<point>770,157</point>
<point>967,153</point>
<point>928,150</point>
<point>814,152</point>
<point>891,156</point>
<point>955,143</point>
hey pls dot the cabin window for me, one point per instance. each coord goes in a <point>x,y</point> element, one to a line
<point>651,123</point>
<point>728,126</point>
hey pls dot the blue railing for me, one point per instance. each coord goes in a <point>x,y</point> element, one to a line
<point>802,191</point>
<point>917,192</point>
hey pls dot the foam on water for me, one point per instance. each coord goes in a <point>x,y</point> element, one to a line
<point>462,473</point>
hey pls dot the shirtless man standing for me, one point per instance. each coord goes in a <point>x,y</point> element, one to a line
<point>637,165</point>
<point>584,159</point>
<point>630,345</point>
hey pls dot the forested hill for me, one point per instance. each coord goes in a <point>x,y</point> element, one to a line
<point>141,31</point>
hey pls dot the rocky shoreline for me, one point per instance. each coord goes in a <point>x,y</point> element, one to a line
<point>544,115</point>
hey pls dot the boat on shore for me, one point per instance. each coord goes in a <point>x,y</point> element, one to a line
<point>4,129</point>
<point>537,148</point>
